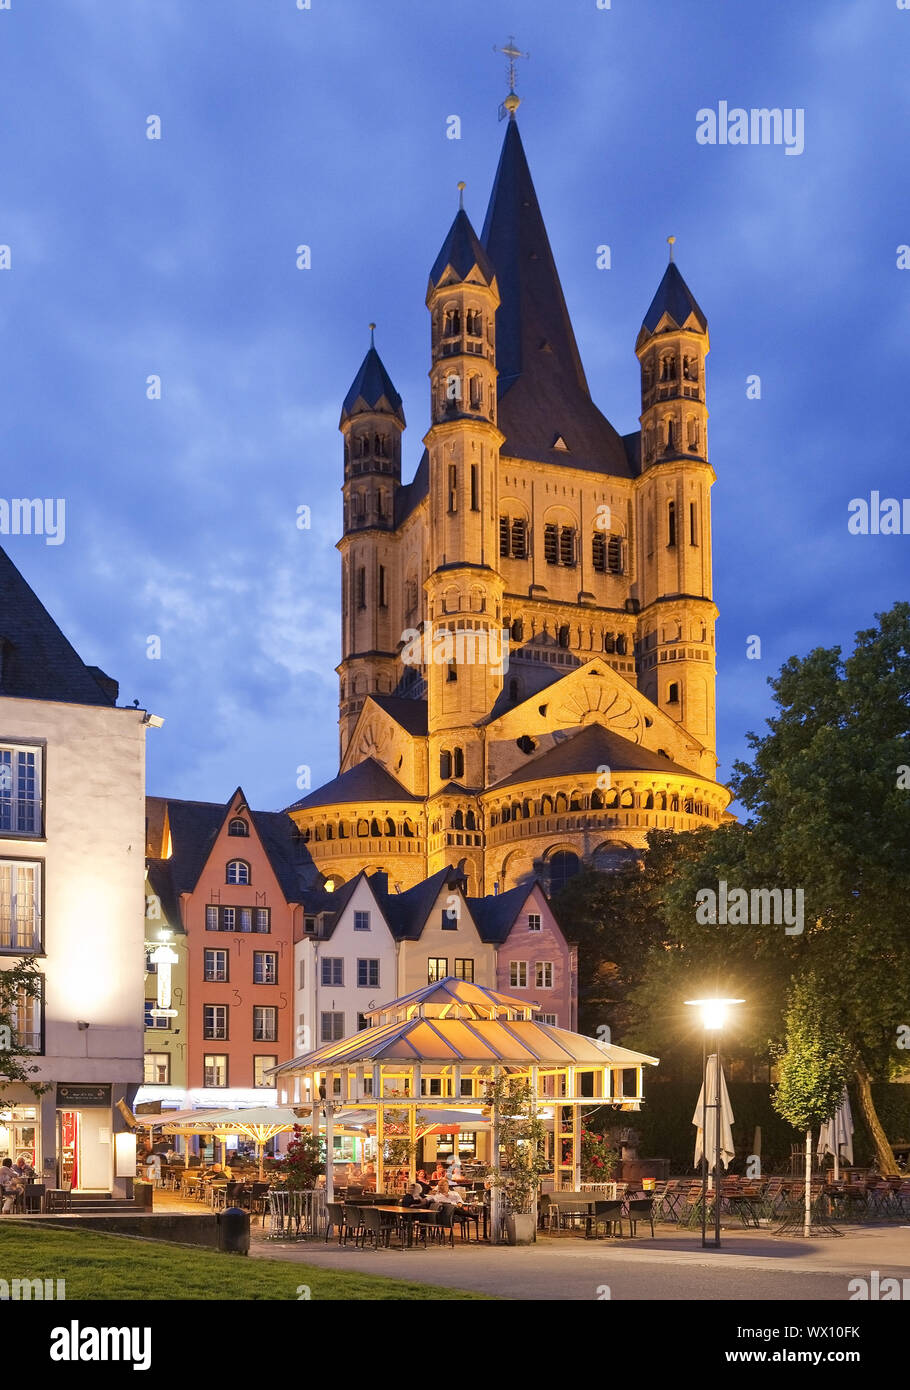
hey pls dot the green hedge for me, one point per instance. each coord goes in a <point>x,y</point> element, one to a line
<point>666,1129</point>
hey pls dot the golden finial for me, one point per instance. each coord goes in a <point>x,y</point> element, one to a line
<point>372,330</point>
<point>512,101</point>
<point>461,188</point>
<point>670,241</point>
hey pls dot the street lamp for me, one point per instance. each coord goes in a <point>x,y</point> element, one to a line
<point>713,1016</point>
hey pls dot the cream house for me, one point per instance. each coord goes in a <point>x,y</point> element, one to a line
<point>72,873</point>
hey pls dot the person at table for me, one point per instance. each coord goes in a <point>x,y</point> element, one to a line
<point>445,1194</point>
<point>24,1169</point>
<point>455,1175</point>
<point>414,1195</point>
<point>439,1173</point>
<point>10,1186</point>
<point>369,1175</point>
<point>424,1181</point>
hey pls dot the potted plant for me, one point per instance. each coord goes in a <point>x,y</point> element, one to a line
<point>303,1161</point>
<point>522,1141</point>
<point>599,1159</point>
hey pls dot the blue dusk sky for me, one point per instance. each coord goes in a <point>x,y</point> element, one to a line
<point>327,126</point>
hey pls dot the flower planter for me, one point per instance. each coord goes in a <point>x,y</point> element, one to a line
<point>520,1228</point>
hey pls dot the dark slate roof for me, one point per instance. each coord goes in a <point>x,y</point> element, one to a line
<point>372,390</point>
<point>542,388</point>
<point>194,827</point>
<point>676,299</point>
<point>410,714</point>
<point>584,752</point>
<point>407,913</point>
<point>36,660</point>
<point>462,251</point>
<point>161,883</point>
<point>495,915</point>
<point>409,497</point>
<point>368,781</point>
<point>333,904</point>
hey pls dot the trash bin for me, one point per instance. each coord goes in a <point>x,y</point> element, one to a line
<point>234,1231</point>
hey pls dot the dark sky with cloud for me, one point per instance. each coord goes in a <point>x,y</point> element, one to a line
<point>327,126</point>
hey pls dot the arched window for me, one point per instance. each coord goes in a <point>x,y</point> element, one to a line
<point>317,837</point>
<point>561,867</point>
<point>674,803</point>
<point>575,802</point>
<point>661,801</point>
<point>238,827</point>
<point>516,810</point>
<point>670,443</point>
<point>688,805</point>
<point>506,814</point>
<point>475,323</point>
<point>518,630</point>
<point>451,323</point>
<point>597,800</point>
<point>342,830</point>
<point>627,799</point>
<point>458,763</point>
<point>527,809</point>
<point>445,764</point>
<point>470,821</point>
<point>451,671</point>
<point>562,802</point>
<point>374,828</point>
<point>476,393</point>
<point>673,693</point>
<point>563,635</point>
<point>611,798</point>
<point>390,827</point>
<point>647,802</point>
<point>238,871</point>
<point>363,827</point>
<point>330,832</point>
<point>546,806</point>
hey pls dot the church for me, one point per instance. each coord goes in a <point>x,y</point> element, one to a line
<point>527,678</point>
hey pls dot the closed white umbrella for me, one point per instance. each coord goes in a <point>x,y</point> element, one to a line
<point>708,1141</point>
<point>836,1135</point>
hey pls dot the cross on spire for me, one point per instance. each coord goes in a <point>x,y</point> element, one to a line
<point>512,101</point>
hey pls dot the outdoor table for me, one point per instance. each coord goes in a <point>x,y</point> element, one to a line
<point>404,1213</point>
<point>742,1205</point>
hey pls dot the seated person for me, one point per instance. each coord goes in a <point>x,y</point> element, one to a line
<point>10,1186</point>
<point>423,1180</point>
<point>439,1172</point>
<point>24,1169</point>
<point>446,1195</point>
<point>414,1195</point>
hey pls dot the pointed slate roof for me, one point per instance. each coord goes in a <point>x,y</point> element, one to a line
<point>542,387</point>
<point>410,714</point>
<point>462,251</point>
<point>372,391</point>
<point>36,660</point>
<point>195,825</point>
<point>410,496</point>
<point>407,912</point>
<point>495,915</point>
<point>673,297</point>
<point>368,781</point>
<point>584,752</point>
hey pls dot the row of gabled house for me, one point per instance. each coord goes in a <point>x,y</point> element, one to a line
<point>265,964</point>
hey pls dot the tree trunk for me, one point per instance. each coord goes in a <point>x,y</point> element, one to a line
<point>887,1164</point>
<point>807,1200</point>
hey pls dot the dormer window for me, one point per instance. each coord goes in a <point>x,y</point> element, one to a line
<point>238,826</point>
<point>238,871</point>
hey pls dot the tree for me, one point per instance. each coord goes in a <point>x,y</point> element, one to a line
<point>830,801</point>
<point>813,1069</point>
<point>22,979</point>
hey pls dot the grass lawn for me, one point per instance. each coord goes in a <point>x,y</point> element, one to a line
<point>104,1267</point>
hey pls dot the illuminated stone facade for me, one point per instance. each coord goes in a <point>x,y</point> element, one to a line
<point>532,525</point>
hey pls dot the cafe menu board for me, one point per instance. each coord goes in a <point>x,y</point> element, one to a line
<point>76,1094</point>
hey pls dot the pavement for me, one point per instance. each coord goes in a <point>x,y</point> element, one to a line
<point>751,1265</point>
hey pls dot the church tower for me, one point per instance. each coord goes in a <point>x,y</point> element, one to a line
<point>464,588</point>
<point>676,650</point>
<point>372,420</point>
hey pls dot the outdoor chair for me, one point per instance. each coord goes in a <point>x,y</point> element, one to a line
<point>607,1213</point>
<point>667,1201</point>
<point>376,1226</point>
<point>464,1219</point>
<point>640,1209</point>
<point>257,1199</point>
<point>34,1196</point>
<point>444,1224</point>
<point>58,1199</point>
<point>337,1218</point>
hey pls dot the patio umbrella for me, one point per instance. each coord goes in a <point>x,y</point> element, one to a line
<point>708,1141</point>
<point>836,1135</point>
<point>260,1122</point>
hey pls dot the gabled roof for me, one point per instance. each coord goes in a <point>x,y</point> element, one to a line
<point>36,660</point>
<point>332,904</point>
<point>407,913</point>
<point>410,714</point>
<point>367,781</point>
<point>496,915</point>
<point>372,391</point>
<point>674,298</point>
<point>194,828</point>
<point>582,753</point>
<point>462,252</point>
<point>542,387</point>
<point>162,885</point>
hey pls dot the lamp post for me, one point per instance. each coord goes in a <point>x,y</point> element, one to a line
<point>714,1015</point>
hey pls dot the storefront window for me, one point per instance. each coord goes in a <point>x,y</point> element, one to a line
<point>19,1134</point>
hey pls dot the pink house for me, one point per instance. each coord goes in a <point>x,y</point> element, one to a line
<point>533,959</point>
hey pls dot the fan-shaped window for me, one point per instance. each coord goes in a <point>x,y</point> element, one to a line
<point>238,827</point>
<point>238,871</point>
<point>562,866</point>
